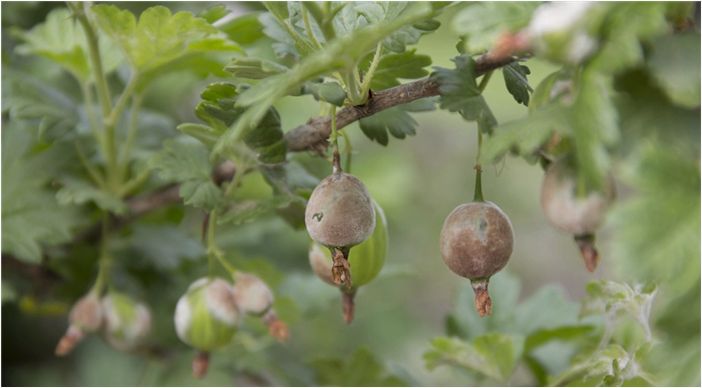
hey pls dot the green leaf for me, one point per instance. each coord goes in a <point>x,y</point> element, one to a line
<point>163,246</point>
<point>525,136</point>
<point>393,67</point>
<point>675,64</point>
<point>493,355</point>
<point>245,29</point>
<point>595,127</point>
<point>188,164</point>
<point>202,194</point>
<point>214,13</point>
<point>330,92</point>
<point>48,109</point>
<point>483,22</point>
<point>623,27</point>
<point>360,369</point>
<point>342,53</point>
<point>609,366</point>
<point>31,216</point>
<point>515,76</point>
<point>159,37</point>
<point>77,191</point>
<point>663,244</point>
<point>254,68</point>
<point>396,121</point>
<point>511,317</point>
<point>62,40</point>
<point>460,93</point>
<point>204,133</point>
<point>248,210</point>
<point>218,109</point>
<point>282,23</point>
<point>562,333</point>
<point>357,15</point>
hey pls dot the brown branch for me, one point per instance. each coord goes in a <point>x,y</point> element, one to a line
<point>313,134</point>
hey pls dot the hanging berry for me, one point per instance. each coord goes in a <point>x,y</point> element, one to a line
<point>127,323</point>
<point>86,316</point>
<point>579,215</point>
<point>206,318</point>
<point>253,296</point>
<point>365,264</point>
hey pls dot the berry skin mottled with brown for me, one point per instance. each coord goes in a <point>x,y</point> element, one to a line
<point>476,242</point>
<point>339,215</point>
<point>340,212</point>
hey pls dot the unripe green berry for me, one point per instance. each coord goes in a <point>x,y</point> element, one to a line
<point>206,317</point>
<point>367,260</point>
<point>126,322</point>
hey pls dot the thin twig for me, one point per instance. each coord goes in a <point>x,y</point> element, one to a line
<point>310,135</point>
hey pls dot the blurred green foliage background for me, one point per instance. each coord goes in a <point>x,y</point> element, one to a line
<point>417,181</point>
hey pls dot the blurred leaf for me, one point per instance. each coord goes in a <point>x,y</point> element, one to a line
<point>214,13</point>
<point>77,191</point>
<point>460,93</point>
<point>50,110</point>
<point>515,76</point>
<point>393,67</point>
<point>562,333</point>
<point>360,14</point>
<point>164,246</point>
<point>204,133</point>
<point>675,64</point>
<point>61,40</point>
<point>31,216</point>
<point>245,29</point>
<point>283,45</point>
<point>663,244</point>
<point>483,22</point>
<point>159,37</point>
<point>609,366</point>
<point>623,27</point>
<point>493,355</point>
<point>595,127</point>
<point>396,121</point>
<point>546,309</point>
<point>361,369</point>
<point>645,111</point>
<point>330,92</point>
<point>249,210</point>
<point>188,164</point>
<point>525,136</point>
<point>254,68</point>
<point>282,26</point>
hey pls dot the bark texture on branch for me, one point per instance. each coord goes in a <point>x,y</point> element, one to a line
<point>313,134</point>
